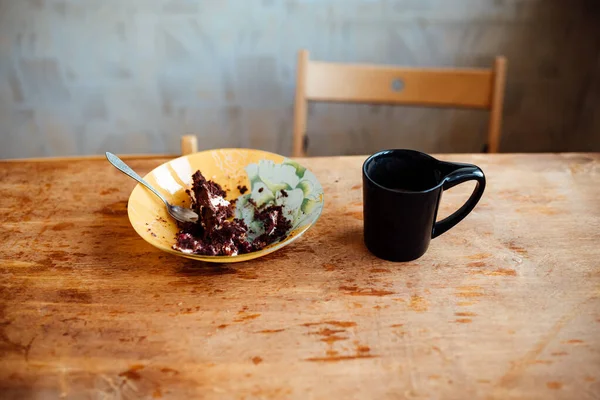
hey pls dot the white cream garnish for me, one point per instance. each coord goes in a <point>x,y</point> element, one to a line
<point>274,219</point>
<point>186,251</point>
<point>218,201</point>
<point>227,247</point>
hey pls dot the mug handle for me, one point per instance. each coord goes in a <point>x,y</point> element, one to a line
<point>464,173</point>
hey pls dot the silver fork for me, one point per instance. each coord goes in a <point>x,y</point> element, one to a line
<point>179,213</point>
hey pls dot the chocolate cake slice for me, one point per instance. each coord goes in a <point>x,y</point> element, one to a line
<point>210,203</point>
<point>217,233</point>
<point>214,234</point>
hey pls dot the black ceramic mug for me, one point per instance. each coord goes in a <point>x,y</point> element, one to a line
<point>401,195</point>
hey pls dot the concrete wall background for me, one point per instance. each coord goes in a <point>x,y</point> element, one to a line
<point>85,76</point>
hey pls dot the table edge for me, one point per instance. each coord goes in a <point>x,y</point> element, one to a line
<point>163,156</point>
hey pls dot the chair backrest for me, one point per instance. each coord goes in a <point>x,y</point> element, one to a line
<point>372,84</point>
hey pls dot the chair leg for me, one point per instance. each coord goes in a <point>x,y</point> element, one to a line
<point>189,144</point>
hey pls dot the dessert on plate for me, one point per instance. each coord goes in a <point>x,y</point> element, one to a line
<point>217,232</point>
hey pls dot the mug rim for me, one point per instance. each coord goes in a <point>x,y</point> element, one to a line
<point>404,191</point>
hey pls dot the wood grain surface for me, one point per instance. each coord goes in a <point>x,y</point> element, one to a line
<point>505,305</point>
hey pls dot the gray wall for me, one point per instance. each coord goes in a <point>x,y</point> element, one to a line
<point>85,76</point>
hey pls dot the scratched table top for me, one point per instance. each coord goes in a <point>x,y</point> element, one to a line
<point>505,305</point>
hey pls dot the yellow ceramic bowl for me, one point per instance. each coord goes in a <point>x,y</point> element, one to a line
<point>263,173</point>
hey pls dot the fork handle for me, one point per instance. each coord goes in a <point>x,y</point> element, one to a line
<point>124,168</point>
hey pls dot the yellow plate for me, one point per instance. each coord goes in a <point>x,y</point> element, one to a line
<point>263,173</point>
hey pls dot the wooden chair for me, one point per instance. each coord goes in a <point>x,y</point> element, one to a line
<point>189,144</point>
<point>371,84</point>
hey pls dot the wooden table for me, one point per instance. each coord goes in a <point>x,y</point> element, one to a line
<point>505,305</point>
